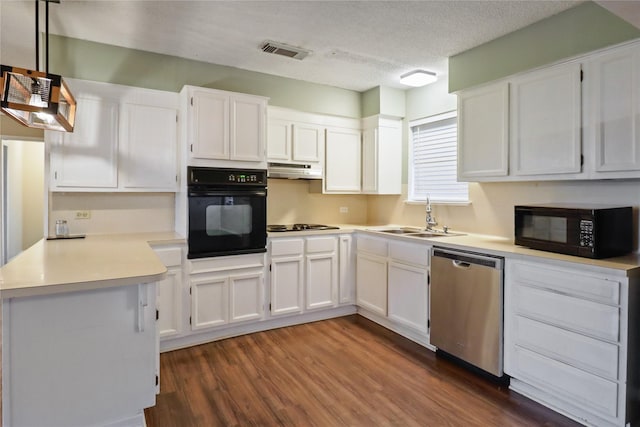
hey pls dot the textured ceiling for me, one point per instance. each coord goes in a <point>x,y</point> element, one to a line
<point>355,44</point>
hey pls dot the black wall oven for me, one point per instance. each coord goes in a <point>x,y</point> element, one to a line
<point>227,211</point>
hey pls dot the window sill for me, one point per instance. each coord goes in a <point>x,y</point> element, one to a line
<point>436,203</point>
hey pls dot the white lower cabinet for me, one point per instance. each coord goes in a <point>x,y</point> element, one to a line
<point>287,275</point>
<point>310,273</point>
<point>408,295</point>
<point>371,283</point>
<point>170,290</point>
<point>567,336</point>
<point>393,281</point>
<point>321,276</point>
<point>226,290</point>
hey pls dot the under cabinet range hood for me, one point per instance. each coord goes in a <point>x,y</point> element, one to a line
<point>294,171</point>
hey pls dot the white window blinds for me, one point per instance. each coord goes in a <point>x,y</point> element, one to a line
<point>433,161</point>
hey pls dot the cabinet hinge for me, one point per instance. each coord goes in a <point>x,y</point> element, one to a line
<point>581,75</point>
<point>581,160</point>
<point>190,291</point>
<point>191,148</point>
<point>269,306</point>
<point>157,380</point>
<point>192,100</point>
<point>176,118</point>
<point>189,319</point>
<point>157,314</point>
<point>269,267</point>
<point>428,323</point>
<point>428,279</point>
<point>55,175</point>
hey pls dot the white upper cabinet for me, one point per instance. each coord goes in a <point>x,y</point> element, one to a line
<point>546,121</point>
<point>381,156</point>
<point>125,139</point>
<point>292,136</point>
<point>613,105</point>
<point>149,140</point>
<point>483,132</point>
<point>88,157</point>
<point>343,154</point>
<point>225,125</point>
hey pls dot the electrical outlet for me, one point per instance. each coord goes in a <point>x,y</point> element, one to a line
<point>83,214</point>
<point>344,209</point>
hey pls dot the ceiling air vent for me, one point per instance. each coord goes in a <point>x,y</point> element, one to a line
<point>284,50</point>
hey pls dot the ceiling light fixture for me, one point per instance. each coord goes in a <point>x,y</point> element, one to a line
<point>34,98</point>
<point>417,78</point>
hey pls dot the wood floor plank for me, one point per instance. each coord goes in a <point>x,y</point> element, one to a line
<point>339,372</point>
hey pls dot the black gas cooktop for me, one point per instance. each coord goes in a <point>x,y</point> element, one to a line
<point>299,227</point>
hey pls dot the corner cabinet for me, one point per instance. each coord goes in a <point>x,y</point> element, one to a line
<point>170,292</point>
<point>381,156</point>
<point>125,139</point>
<point>483,132</point>
<point>571,336</point>
<point>343,159</point>
<point>225,125</point>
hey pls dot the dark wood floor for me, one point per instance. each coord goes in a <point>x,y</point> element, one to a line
<point>341,372</point>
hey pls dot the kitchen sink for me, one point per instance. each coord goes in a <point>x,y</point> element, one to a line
<point>401,230</point>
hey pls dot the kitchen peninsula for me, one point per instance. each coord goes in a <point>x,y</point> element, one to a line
<point>79,339</point>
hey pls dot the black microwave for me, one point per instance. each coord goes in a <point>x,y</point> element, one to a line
<point>590,231</point>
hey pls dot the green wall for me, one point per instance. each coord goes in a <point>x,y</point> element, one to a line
<point>106,63</point>
<point>578,30</point>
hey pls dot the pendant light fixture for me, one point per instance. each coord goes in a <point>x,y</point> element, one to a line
<point>34,98</point>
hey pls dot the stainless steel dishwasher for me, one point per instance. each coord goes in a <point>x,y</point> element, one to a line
<point>466,307</point>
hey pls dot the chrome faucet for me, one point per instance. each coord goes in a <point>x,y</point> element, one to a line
<point>431,221</point>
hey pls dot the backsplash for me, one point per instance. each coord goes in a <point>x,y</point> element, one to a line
<point>291,201</point>
<point>113,212</point>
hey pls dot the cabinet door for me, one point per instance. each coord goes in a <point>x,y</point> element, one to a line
<point>88,157</point>
<point>371,283</point>
<point>286,285</point>
<point>546,121</point>
<point>148,149</point>
<point>209,125</point>
<point>370,161</point>
<point>483,132</point>
<point>246,296</point>
<point>615,107</point>
<point>279,140</point>
<point>322,280</point>
<point>343,155</point>
<point>307,142</point>
<point>247,129</point>
<point>347,271</point>
<point>169,303</point>
<point>408,295</point>
<point>209,302</point>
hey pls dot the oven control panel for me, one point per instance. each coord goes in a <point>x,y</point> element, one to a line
<point>203,176</point>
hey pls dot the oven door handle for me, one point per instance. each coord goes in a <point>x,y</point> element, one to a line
<point>226,193</point>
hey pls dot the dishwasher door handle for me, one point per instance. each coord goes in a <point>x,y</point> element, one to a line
<point>460,264</point>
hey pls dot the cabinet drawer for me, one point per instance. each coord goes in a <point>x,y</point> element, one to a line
<point>282,247</point>
<point>586,390</point>
<point>225,263</point>
<point>169,256</point>
<point>374,246</point>
<point>597,320</point>
<point>410,254</point>
<point>568,282</point>
<point>592,355</point>
<point>321,244</point>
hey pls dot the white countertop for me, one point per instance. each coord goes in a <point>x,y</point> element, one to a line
<point>55,266</point>
<point>628,265</point>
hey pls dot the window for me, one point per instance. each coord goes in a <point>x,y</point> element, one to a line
<point>433,160</point>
